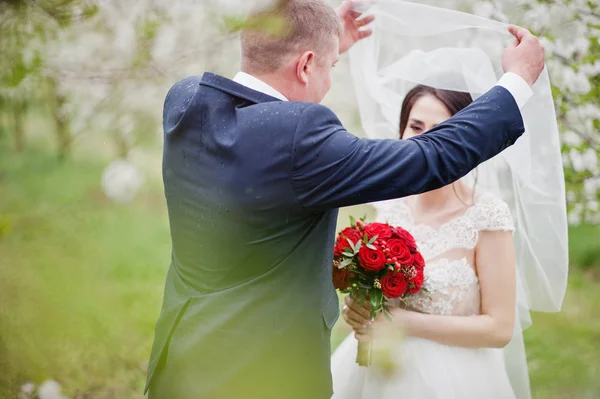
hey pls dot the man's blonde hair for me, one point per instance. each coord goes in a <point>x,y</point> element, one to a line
<point>288,26</point>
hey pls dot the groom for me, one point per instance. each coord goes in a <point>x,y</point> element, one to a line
<point>254,170</point>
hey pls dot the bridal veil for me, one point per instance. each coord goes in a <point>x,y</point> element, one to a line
<point>419,44</point>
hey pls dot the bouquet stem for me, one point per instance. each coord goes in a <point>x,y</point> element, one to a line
<point>363,356</point>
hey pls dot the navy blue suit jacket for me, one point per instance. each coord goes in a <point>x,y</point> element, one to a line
<point>252,186</point>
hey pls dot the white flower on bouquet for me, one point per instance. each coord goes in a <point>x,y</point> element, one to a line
<point>121,181</point>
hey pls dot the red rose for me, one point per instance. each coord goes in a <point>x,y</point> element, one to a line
<point>341,278</point>
<point>405,236</point>
<point>342,242</point>
<point>418,261</point>
<point>382,231</point>
<point>416,283</point>
<point>394,285</point>
<point>371,259</point>
<point>353,234</point>
<point>400,251</point>
<point>340,245</point>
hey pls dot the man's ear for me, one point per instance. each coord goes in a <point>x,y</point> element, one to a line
<point>305,62</point>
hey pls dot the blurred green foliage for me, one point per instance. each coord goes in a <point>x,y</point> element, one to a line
<point>584,247</point>
<point>80,278</point>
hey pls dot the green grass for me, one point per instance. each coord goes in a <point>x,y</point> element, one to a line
<point>80,278</point>
<point>563,349</point>
<point>584,248</point>
<point>81,282</point>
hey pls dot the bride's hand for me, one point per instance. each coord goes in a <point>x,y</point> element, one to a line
<point>401,321</point>
<point>355,315</point>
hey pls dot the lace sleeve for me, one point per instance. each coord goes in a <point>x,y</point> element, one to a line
<point>493,214</point>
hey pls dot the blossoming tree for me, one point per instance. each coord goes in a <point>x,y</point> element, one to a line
<point>108,73</point>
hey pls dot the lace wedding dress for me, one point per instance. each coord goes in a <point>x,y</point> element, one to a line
<point>429,370</point>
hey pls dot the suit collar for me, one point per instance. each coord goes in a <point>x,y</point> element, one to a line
<point>229,86</point>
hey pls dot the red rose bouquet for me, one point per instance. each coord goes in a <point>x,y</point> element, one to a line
<point>374,261</point>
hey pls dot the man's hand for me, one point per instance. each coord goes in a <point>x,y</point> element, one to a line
<point>524,56</point>
<point>352,24</point>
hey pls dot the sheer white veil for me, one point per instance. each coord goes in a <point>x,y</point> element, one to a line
<point>419,44</point>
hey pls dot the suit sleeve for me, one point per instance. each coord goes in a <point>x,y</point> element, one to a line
<point>332,168</point>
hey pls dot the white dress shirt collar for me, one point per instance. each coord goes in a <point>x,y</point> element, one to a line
<point>257,85</point>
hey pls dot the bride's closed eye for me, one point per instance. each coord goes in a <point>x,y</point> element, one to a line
<point>416,128</point>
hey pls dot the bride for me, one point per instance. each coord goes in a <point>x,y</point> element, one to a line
<point>455,327</point>
<point>494,249</point>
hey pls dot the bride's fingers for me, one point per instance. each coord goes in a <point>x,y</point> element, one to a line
<point>357,318</point>
<point>359,315</point>
<point>355,307</point>
<point>354,324</point>
<point>363,331</point>
<point>362,337</point>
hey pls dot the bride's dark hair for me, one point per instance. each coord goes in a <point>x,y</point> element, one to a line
<point>454,101</point>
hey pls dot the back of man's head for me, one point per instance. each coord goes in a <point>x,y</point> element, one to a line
<point>287,28</point>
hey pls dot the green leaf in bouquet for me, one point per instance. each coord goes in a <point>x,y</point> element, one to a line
<point>350,242</point>
<point>372,240</point>
<point>357,247</point>
<point>371,247</point>
<point>345,263</point>
<point>376,298</point>
<point>387,313</point>
<point>364,218</point>
<point>365,238</point>
<point>348,254</point>
<point>361,297</point>
<point>365,285</point>
<point>352,221</point>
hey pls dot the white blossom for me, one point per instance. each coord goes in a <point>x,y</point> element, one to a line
<point>571,138</point>
<point>575,81</point>
<point>121,181</point>
<point>589,160</point>
<point>575,216</point>
<point>586,160</point>
<point>591,186</point>
<point>50,389</point>
<point>165,44</point>
<point>27,390</point>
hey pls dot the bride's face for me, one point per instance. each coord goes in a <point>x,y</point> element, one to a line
<point>426,113</point>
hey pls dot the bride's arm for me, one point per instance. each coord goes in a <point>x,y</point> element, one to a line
<point>495,262</point>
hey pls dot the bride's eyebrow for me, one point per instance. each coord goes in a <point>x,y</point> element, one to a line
<point>416,120</point>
